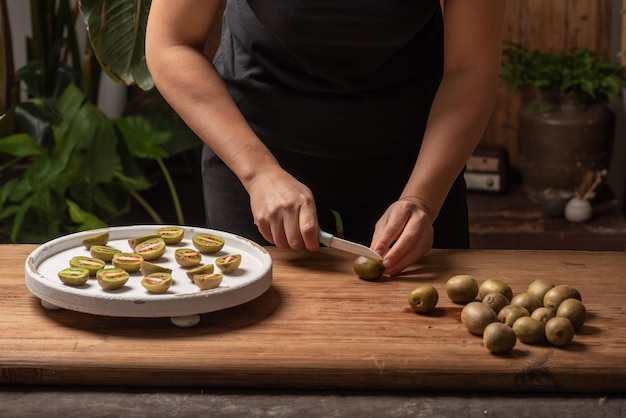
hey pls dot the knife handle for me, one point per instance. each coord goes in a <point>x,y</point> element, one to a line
<point>325,238</point>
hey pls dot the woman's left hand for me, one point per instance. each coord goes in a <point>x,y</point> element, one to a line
<point>407,225</point>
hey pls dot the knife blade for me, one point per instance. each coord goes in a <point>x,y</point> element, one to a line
<point>332,241</point>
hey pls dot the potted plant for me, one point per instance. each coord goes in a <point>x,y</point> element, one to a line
<point>78,169</point>
<point>566,127</point>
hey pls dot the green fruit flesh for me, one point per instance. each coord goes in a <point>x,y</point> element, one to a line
<point>172,235</point>
<point>112,278</point>
<point>207,243</point>
<point>151,249</point>
<point>208,281</point>
<point>103,252</point>
<point>127,261</point>
<point>157,282</point>
<point>133,242</point>
<point>204,269</point>
<point>228,263</point>
<point>74,276</point>
<point>187,257</point>
<point>90,263</point>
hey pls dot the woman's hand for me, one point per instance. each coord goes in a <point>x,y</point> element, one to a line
<point>284,210</point>
<point>407,223</point>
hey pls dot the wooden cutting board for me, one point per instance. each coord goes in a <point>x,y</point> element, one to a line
<point>319,326</point>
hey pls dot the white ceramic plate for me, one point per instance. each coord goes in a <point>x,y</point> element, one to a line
<point>184,300</point>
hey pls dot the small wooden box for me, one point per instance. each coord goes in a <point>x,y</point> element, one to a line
<point>487,169</point>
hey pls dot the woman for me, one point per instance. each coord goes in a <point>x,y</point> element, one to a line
<point>369,108</point>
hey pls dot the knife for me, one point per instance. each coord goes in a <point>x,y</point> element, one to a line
<point>331,241</point>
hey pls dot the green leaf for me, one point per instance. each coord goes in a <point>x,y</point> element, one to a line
<point>117,32</point>
<point>87,130</point>
<point>84,219</point>
<point>141,138</point>
<point>21,145</point>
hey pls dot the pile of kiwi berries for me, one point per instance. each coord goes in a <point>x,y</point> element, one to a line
<point>544,313</point>
<point>112,266</point>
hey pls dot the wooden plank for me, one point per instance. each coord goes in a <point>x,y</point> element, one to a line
<point>319,326</point>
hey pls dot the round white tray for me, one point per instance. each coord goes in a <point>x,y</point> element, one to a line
<point>183,302</point>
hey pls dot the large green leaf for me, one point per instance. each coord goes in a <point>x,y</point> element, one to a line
<point>20,145</point>
<point>117,32</point>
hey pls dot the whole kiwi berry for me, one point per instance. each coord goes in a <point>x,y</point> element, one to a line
<point>559,331</point>
<point>539,287</point>
<point>499,338</point>
<point>574,310</point>
<point>527,300</point>
<point>529,330</point>
<point>495,301</point>
<point>475,316</point>
<point>495,286</point>
<point>556,295</point>
<point>423,299</point>
<point>462,288</point>
<point>511,313</point>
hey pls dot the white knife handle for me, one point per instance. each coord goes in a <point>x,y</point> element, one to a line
<point>325,238</point>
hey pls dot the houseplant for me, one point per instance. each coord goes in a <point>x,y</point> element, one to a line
<point>565,126</point>
<point>66,166</point>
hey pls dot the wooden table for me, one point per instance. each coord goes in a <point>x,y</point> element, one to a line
<point>512,221</point>
<point>319,326</point>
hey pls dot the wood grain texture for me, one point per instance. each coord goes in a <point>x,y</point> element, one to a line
<point>319,326</point>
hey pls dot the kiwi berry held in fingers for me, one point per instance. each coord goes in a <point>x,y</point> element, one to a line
<point>368,268</point>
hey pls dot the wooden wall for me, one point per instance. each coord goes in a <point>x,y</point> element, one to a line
<point>546,25</point>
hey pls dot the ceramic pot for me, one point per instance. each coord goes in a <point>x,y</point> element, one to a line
<point>558,147</point>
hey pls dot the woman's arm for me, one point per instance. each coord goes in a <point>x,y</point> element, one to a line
<point>283,208</point>
<point>458,117</point>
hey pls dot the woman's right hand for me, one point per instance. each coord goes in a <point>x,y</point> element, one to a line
<point>283,210</point>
